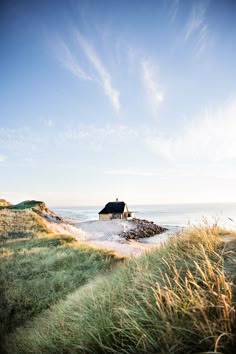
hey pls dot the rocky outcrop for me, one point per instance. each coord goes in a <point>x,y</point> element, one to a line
<point>142,229</point>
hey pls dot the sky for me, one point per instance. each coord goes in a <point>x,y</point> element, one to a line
<point>130,99</point>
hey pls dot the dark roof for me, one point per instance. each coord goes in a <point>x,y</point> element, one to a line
<point>113,207</point>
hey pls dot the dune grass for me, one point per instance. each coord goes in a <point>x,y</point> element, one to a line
<point>21,223</point>
<point>27,204</point>
<point>177,299</point>
<point>37,272</point>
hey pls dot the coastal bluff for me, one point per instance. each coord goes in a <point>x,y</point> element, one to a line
<point>26,219</point>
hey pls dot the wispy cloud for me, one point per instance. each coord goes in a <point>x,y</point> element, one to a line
<point>9,136</point>
<point>208,138</point>
<point>2,158</point>
<point>12,138</point>
<point>99,74</point>
<point>96,138</point>
<point>155,93</point>
<point>48,123</point>
<point>127,172</point>
<point>104,76</point>
<point>70,62</point>
<point>181,170</point>
<point>93,132</point>
<point>21,143</point>
<point>173,9</point>
<point>197,26</point>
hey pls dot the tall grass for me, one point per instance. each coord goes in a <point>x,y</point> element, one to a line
<point>21,223</point>
<point>178,299</point>
<point>37,272</point>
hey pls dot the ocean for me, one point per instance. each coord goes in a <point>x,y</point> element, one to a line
<point>171,216</point>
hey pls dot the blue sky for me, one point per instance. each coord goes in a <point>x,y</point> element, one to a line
<point>129,99</point>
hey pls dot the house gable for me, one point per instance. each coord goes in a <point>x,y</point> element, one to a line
<point>114,208</point>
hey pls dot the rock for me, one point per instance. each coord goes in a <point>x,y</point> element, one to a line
<point>143,228</point>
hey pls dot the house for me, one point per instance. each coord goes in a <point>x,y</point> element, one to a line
<point>115,210</point>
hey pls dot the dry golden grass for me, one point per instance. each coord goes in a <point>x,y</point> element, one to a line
<point>177,299</point>
<point>21,223</point>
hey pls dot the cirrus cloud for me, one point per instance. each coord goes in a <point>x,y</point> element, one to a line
<point>154,91</point>
<point>99,74</point>
<point>210,138</point>
<point>3,158</point>
<point>197,26</point>
<point>104,76</point>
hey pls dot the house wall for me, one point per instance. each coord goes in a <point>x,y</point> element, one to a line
<point>105,216</point>
<point>127,214</point>
<point>117,216</point>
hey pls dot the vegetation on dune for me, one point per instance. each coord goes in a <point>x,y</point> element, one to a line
<point>28,204</point>
<point>21,223</point>
<point>37,272</point>
<point>178,299</point>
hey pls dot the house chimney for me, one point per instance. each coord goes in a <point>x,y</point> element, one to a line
<point>116,199</point>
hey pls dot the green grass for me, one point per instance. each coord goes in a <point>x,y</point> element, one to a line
<point>37,272</point>
<point>178,299</point>
<point>27,204</point>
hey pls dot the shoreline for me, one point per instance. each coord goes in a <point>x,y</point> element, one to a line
<point>105,234</point>
<point>124,237</point>
<point>170,215</point>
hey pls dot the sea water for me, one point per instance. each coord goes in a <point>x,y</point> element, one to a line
<point>171,216</point>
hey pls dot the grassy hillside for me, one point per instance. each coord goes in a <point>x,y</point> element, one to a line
<point>37,272</point>
<point>21,223</point>
<point>178,299</point>
<point>26,219</point>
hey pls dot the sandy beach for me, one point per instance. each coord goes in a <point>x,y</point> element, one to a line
<point>105,234</point>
